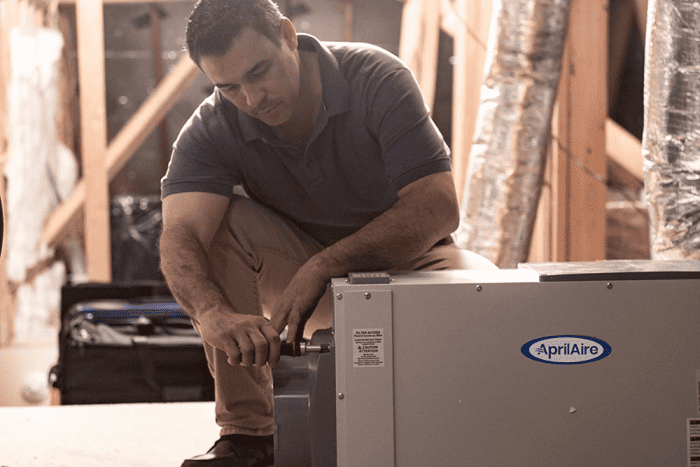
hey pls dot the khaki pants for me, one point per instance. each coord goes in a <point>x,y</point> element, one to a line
<point>253,256</point>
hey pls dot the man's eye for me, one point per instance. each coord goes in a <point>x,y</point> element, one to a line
<point>259,74</point>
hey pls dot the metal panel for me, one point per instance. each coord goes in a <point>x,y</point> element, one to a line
<point>464,394</point>
<point>364,377</point>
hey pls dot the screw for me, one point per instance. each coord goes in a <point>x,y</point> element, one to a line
<point>368,296</point>
<point>609,285</point>
<point>478,288</point>
<point>339,296</point>
<point>341,396</point>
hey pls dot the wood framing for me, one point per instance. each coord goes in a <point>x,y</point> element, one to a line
<point>571,218</point>
<point>93,118</point>
<point>641,13</point>
<point>125,144</point>
<point>470,43</point>
<point>578,155</point>
<point>89,201</point>
<point>624,13</point>
<point>418,44</point>
<point>625,149</point>
<point>468,22</point>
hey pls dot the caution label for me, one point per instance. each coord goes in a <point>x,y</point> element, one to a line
<point>693,442</point>
<point>368,347</point>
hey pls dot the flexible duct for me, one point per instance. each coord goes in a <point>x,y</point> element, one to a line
<point>671,141</point>
<point>507,159</point>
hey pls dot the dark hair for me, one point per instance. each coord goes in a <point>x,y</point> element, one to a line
<point>214,24</point>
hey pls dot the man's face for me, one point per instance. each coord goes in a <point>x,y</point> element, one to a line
<point>257,76</point>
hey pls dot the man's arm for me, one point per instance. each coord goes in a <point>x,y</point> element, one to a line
<point>190,221</point>
<point>426,212</point>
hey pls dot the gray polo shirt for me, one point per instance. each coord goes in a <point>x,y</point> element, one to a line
<point>373,136</point>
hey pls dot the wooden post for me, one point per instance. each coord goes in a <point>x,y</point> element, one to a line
<point>348,19</point>
<point>641,12</point>
<point>93,115</point>
<point>579,161</point>
<point>470,43</point>
<point>419,44</point>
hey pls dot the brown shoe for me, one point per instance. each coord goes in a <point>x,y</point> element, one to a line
<point>236,451</point>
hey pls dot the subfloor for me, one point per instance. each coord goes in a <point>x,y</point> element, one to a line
<point>118,435</point>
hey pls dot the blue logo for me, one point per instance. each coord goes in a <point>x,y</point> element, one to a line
<point>566,350</point>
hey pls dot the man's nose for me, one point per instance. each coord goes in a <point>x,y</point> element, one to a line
<point>253,95</point>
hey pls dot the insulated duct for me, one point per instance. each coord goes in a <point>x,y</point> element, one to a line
<point>508,155</point>
<point>671,141</point>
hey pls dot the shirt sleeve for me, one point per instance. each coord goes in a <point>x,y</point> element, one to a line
<point>412,146</point>
<point>202,157</point>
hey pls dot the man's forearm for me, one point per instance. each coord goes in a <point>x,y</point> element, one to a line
<point>184,265</point>
<point>422,216</point>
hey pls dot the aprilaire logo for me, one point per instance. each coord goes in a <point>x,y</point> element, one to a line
<point>566,350</point>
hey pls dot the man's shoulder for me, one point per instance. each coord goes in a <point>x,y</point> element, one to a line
<point>210,116</point>
<point>362,56</point>
<point>211,107</point>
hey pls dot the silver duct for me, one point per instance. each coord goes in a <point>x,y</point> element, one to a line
<point>508,155</point>
<point>671,141</point>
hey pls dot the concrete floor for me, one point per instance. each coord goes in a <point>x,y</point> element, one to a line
<point>118,435</point>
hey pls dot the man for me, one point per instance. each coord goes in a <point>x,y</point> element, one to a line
<point>343,170</point>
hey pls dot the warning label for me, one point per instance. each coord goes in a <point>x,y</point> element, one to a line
<point>368,347</point>
<point>693,442</point>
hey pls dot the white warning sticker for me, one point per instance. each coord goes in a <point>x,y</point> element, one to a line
<point>693,442</point>
<point>368,348</point>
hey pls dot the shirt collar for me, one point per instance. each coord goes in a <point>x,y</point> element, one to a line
<point>335,89</point>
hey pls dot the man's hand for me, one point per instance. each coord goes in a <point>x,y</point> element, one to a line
<point>298,300</point>
<point>246,339</point>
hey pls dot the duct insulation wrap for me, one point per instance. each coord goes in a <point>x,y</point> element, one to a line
<point>671,141</point>
<point>508,155</point>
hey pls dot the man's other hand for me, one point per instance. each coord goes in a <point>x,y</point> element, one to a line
<point>298,301</point>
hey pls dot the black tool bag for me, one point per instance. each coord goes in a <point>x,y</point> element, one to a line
<point>141,349</point>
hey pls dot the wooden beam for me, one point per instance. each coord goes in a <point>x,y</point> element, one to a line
<point>624,148</point>
<point>470,42</point>
<point>93,117</point>
<point>410,45</point>
<point>449,21</point>
<point>348,19</point>
<point>431,51</point>
<point>125,144</point>
<point>579,161</point>
<point>623,17</point>
<point>152,111</point>
<point>419,45</point>
<point>641,13</point>
<point>541,243</point>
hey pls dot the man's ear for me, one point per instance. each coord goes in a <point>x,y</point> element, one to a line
<point>289,34</point>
